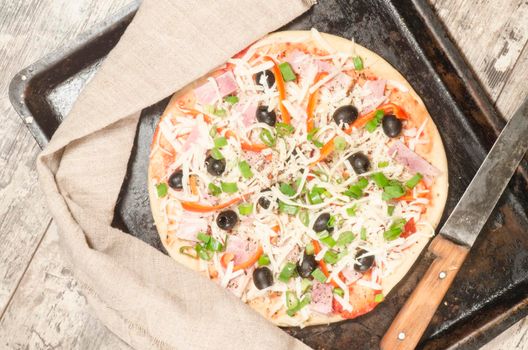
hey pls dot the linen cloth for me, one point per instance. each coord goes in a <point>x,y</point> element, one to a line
<point>140,294</point>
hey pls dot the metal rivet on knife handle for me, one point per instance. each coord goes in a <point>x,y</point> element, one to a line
<point>442,275</point>
<point>401,336</point>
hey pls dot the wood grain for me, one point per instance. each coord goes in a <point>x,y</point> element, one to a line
<point>39,300</point>
<point>414,317</point>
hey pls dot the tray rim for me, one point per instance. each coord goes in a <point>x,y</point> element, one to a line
<point>21,81</point>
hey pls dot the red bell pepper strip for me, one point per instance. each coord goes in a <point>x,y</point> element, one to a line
<point>311,103</point>
<point>282,89</point>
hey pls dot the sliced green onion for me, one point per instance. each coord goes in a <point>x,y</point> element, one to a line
<point>220,112</point>
<point>231,99</point>
<point>331,221</point>
<point>358,63</point>
<point>380,179</point>
<point>284,129</point>
<point>352,210</point>
<point>245,170</point>
<point>354,191</point>
<point>287,272</point>
<point>394,230</point>
<point>345,238</point>
<point>216,154</point>
<point>215,190</point>
<point>287,71</point>
<point>214,245</point>
<point>328,241</point>
<point>390,209</point>
<point>311,134</point>
<point>266,137</point>
<point>378,298</point>
<point>330,257</point>
<point>319,275</point>
<point>162,189</point>
<point>288,208</point>
<point>314,196</point>
<point>413,181</point>
<point>362,183</point>
<point>363,234</point>
<point>229,187</point>
<point>245,208</point>
<point>383,164</point>
<point>394,190</point>
<point>309,249</point>
<point>220,142</point>
<point>339,143</point>
<point>204,237</point>
<point>184,250</point>
<point>287,189</point>
<point>304,217</point>
<point>374,122</point>
<point>209,109</point>
<point>291,300</point>
<point>305,284</point>
<point>318,144</point>
<point>264,260</point>
<point>202,252</point>
<point>212,131</point>
<point>305,301</point>
<point>339,291</point>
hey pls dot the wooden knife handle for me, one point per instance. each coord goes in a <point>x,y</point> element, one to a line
<point>414,317</point>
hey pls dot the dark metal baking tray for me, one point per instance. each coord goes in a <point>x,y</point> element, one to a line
<point>491,291</point>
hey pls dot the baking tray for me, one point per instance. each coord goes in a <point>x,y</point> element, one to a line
<point>491,291</point>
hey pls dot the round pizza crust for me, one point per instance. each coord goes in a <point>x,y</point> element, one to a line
<point>409,100</point>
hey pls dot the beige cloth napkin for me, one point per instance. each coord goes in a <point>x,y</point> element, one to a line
<point>140,294</point>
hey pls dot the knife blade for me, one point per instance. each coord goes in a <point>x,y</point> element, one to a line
<point>449,249</point>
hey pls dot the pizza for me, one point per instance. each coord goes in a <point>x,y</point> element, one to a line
<point>305,176</point>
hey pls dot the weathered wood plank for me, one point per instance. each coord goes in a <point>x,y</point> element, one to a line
<point>516,88</point>
<point>491,35</point>
<point>28,30</point>
<point>514,338</point>
<point>48,311</point>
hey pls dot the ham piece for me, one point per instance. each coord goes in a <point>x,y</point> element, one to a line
<point>248,110</point>
<point>413,162</point>
<point>206,94</point>
<point>373,94</point>
<point>241,248</point>
<point>321,298</point>
<point>190,225</point>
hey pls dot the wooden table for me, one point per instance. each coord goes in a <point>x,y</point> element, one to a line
<point>40,303</point>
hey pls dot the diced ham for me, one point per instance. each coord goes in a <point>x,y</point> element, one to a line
<point>206,93</point>
<point>297,60</point>
<point>325,66</point>
<point>241,248</point>
<point>350,274</point>
<point>248,111</point>
<point>373,94</point>
<point>342,81</point>
<point>226,83</point>
<point>412,161</point>
<point>190,225</point>
<point>193,138</point>
<point>321,298</point>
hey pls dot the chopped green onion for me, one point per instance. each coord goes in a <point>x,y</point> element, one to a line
<point>309,249</point>
<point>305,301</point>
<point>220,112</point>
<point>314,196</point>
<point>413,181</point>
<point>215,190</point>
<point>378,298</point>
<point>202,252</point>
<point>287,189</point>
<point>209,109</point>
<point>339,143</point>
<point>390,209</point>
<point>305,284</point>
<point>394,190</point>
<point>363,234</point>
<point>383,164</point>
<point>330,257</point>
<point>374,122</point>
<point>380,179</point>
<point>220,142</point>
<point>339,291</point>
<point>352,210</point>
<point>245,208</point>
<point>231,99</point>
<point>287,71</point>
<point>331,221</point>
<point>264,260</point>
<point>184,250</point>
<point>345,238</point>
<point>288,208</point>
<point>284,129</point>
<point>245,170</point>
<point>213,131</point>
<point>319,275</point>
<point>229,187</point>
<point>394,230</point>
<point>287,272</point>
<point>266,137</point>
<point>311,134</point>
<point>162,189</point>
<point>216,154</point>
<point>318,144</point>
<point>328,241</point>
<point>304,217</point>
<point>214,245</point>
<point>291,300</point>
<point>362,183</point>
<point>358,63</point>
<point>204,237</point>
<point>354,191</point>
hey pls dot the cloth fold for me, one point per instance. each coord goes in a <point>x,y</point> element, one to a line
<point>140,294</point>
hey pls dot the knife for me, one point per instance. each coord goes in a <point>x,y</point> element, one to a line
<point>451,246</point>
